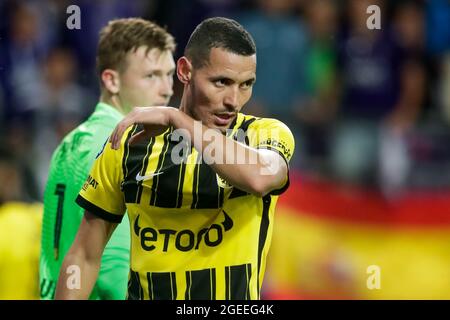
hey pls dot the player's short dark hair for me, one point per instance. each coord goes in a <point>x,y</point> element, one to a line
<point>218,32</point>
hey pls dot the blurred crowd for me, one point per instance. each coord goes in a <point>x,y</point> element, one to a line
<point>367,107</point>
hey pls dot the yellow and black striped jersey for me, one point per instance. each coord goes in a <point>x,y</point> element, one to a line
<point>193,236</point>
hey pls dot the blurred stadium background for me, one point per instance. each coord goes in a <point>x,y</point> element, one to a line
<point>370,109</point>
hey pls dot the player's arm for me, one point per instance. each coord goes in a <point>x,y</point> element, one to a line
<point>267,172</point>
<point>84,258</point>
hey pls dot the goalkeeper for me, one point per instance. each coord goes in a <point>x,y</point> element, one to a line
<point>135,66</point>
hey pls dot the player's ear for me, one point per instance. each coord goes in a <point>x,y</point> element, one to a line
<point>111,81</point>
<point>184,70</point>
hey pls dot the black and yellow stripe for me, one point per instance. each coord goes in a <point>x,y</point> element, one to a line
<point>263,230</point>
<point>144,168</point>
<point>201,284</point>
<point>135,291</point>
<point>243,127</point>
<point>206,192</point>
<point>162,285</point>
<point>168,191</point>
<point>156,187</point>
<point>237,282</point>
<point>135,161</point>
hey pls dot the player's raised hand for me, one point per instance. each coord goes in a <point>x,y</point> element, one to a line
<point>154,119</point>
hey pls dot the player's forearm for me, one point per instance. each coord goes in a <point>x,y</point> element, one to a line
<point>77,276</point>
<point>81,265</point>
<point>247,168</point>
<point>254,175</point>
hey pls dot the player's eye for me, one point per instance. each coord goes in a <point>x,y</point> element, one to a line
<point>221,82</point>
<point>247,84</point>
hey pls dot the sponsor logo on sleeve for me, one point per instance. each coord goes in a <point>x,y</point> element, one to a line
<point>90,182</point>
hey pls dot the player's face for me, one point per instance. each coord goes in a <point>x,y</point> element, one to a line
<point>147,78</point>
<point>222,87</point>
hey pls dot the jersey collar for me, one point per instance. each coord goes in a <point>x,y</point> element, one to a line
<point>108,109</point>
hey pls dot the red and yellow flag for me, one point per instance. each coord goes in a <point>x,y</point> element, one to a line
<point>328,240</point>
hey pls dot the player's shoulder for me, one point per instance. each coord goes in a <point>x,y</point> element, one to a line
<point>83,142</point>
<point>127,134</point>
<point>77,141</point>
<point>110,155</point>
<point>259,123</point>
<point>100,123</point>
<point>269,133</point>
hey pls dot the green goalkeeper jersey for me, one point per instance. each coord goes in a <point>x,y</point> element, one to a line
<point>69,168</point>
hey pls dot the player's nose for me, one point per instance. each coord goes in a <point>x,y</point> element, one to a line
<point>231,99</point>
<point>166,89</point>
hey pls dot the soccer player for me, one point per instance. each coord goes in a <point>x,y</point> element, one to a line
<point>201,229</point>
<point>135,66</point>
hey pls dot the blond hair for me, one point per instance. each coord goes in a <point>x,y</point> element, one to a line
<point>121,36</point>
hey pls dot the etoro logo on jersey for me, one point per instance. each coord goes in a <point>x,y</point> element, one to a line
<point>185,240</point>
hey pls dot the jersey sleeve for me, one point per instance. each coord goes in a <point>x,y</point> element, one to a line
<point>273,135</point>
<point>101,193</point>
